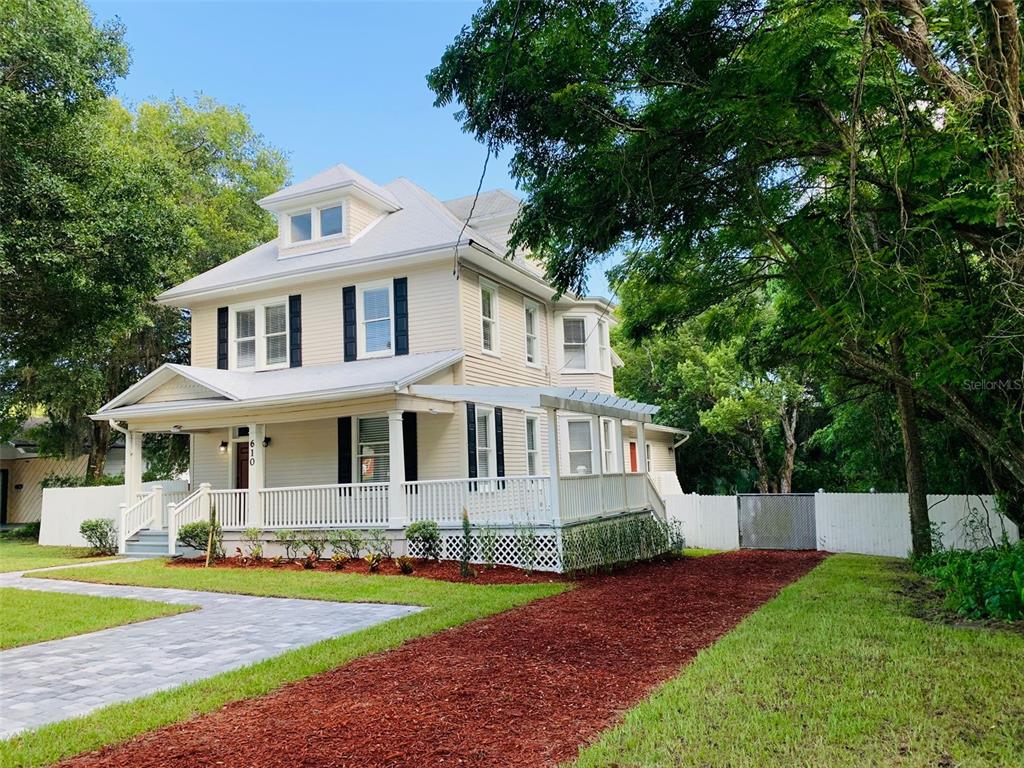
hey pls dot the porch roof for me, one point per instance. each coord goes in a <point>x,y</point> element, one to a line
<point>562,398</point>
<point>214,388</point>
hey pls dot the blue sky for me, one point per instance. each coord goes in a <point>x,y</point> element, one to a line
<point>325,82</point>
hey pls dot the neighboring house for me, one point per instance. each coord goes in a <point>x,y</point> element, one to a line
<point>22,471</point>
<point>377,361</point>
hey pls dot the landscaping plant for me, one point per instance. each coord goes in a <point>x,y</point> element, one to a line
<point>338,560</point>
<point>27,532</point>
<point>377,540</point>
<point>309,561</point>
<point>196,536</point>
<point>315,542</point>
<point>526,540</point>
<point>988,583</point>
<point>425,538</point>
<point>404,564</point>
<point>467,546</point>
<point>290,541</point>
<point>101,535</point>
<point>373,560</point>
<point>488,538</point>
<point>253,538</point>
<point>347,542</point>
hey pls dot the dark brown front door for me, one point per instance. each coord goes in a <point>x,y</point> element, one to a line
<point>242,465</point>
<point>632,456</point>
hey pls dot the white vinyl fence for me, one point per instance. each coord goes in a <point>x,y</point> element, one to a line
<point>64,509</point>
<point>866,523</point>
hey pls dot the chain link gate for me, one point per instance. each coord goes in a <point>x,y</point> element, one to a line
<point>777,521</point>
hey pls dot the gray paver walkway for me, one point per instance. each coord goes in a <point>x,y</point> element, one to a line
<point>58,679</point>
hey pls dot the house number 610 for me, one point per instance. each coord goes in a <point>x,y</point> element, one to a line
<point>252,455</point>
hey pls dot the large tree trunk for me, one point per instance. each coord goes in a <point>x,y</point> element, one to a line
<point>789,422</point>
<point>98,449</point>
<point>761,463</point>
<point>917,492</point>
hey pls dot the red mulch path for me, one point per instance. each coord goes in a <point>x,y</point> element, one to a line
<point>523,688</point>
<point>446,570</point>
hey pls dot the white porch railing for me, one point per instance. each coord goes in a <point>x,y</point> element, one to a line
<point>191,509</point>
<point>358,505</point>
<point>170,498</point>
<point>138,516</point>
<point>232,508</point>
<point>492,500</point>
<point>582,497</point>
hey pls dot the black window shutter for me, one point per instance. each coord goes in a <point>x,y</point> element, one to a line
<point>471,437</point>
<point>295,331</point>
<point>348,316</point>
<point>222,338</point>
<point>499,443</point>
<point>345,450</point>
<point>409,442</point>
<point>401,316</point>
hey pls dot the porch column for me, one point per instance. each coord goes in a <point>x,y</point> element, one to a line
<point>396,471</point>
<point>641,448</point>
<point>553,472</point>
<point>132,466</point>
<point>597,457</point>
<point>257,475</point>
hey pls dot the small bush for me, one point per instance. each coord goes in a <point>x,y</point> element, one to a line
<point>404,564</point>
<point>195,535</point>
<point>309,561</point>
<point>988,583</point>
<point>426,536</point>
<point>347,542</point>
<point>101,535</point>
<point>339,560</point>
<point>253,538</point>
<point>290,541</point>
<point>467,545</point>
<point>27,532</point>
<point>377,541</point>
<point>80,481</point>
<point>315,542</point>
<point>373,560</point>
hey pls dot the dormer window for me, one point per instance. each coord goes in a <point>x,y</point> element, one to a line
<point>330,221</point>
<point>301,226</point>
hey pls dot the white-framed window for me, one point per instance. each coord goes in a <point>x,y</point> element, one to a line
<point>300,227</point>
<point>647,453</point>
<point>485,465</point>
<point>604,345</point>
<point>372,449</point>
<point>259,335</point>
<point>331,221</point>
<point>532,445</point>
<point>489,317</point>
<point>375,321</point>
<point>581,447</point>
<point>531,316</point>
<point>608,462</point>
<point>574,342</point>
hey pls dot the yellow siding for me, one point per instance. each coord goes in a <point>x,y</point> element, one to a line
<point>25,505</point>
<point>433,315</point>
<point>209,465</point>
<point>360,216</point>
<point>302,453</point>
<point>595,382</point>
<point>509,368</point>
<point>441,444</point>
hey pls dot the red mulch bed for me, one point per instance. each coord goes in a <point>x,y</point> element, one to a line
<point>446,570</point>
<point>523,688</point>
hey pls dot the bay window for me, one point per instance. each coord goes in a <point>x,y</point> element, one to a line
<point>574,342</point>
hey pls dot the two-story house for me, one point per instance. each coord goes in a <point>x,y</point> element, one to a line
<point>381,362</point>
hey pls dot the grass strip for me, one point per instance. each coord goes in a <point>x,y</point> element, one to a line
<point>21,556</point>
<point>836,671</point>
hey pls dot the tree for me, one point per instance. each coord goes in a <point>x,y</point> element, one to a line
<point>864,156</point>
<point>145,201</point>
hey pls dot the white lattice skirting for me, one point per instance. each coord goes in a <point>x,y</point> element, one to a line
<point>579,547</point>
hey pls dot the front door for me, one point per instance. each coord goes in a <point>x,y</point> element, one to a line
<point>242,465</point>
<point>632,456</point>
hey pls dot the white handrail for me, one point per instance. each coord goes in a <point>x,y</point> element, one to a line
<point>136,517</point>
<point>189,510</point>
<point>491,500</point>
<point>356,505</point>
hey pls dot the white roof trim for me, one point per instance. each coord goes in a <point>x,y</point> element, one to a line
<point>562,398</point>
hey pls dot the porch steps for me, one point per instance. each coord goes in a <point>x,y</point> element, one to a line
<point>147,543</point>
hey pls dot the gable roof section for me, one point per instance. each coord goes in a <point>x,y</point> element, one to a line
<point>280,387</point>
<point>337,176</point>
<point>493,203</point>
<point>423,225</point>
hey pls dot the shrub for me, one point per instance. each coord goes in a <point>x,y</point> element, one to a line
<point>377,541</point>
<point>79,481</point>
<point>988,583</point>
<point>467,545</point>
<point>373,560</point>
<point>101,535</point>
<point>27,532</point>
<point>526,541</point>
<point>605,544</point>
<point>315,542</point>
<point>347,542</point>
<point>426,537</point>
<point>290,541</point>
<point>404,564</point>
<point>338,560</point>
<point>309,561</point>
<point>488,538</point>
<point>196,535</point>
<point>253,538</point>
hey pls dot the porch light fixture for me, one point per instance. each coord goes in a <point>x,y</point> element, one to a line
<point>223,446</point>
<point>266,442</point>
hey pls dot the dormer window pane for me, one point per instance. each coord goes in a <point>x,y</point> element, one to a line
<point>302,226</point>
<point>330,221</point>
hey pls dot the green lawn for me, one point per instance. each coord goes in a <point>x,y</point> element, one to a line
<point>20,555</point>
<point>835,672</point>
<point>28,616</point>
<point>447,605</point>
